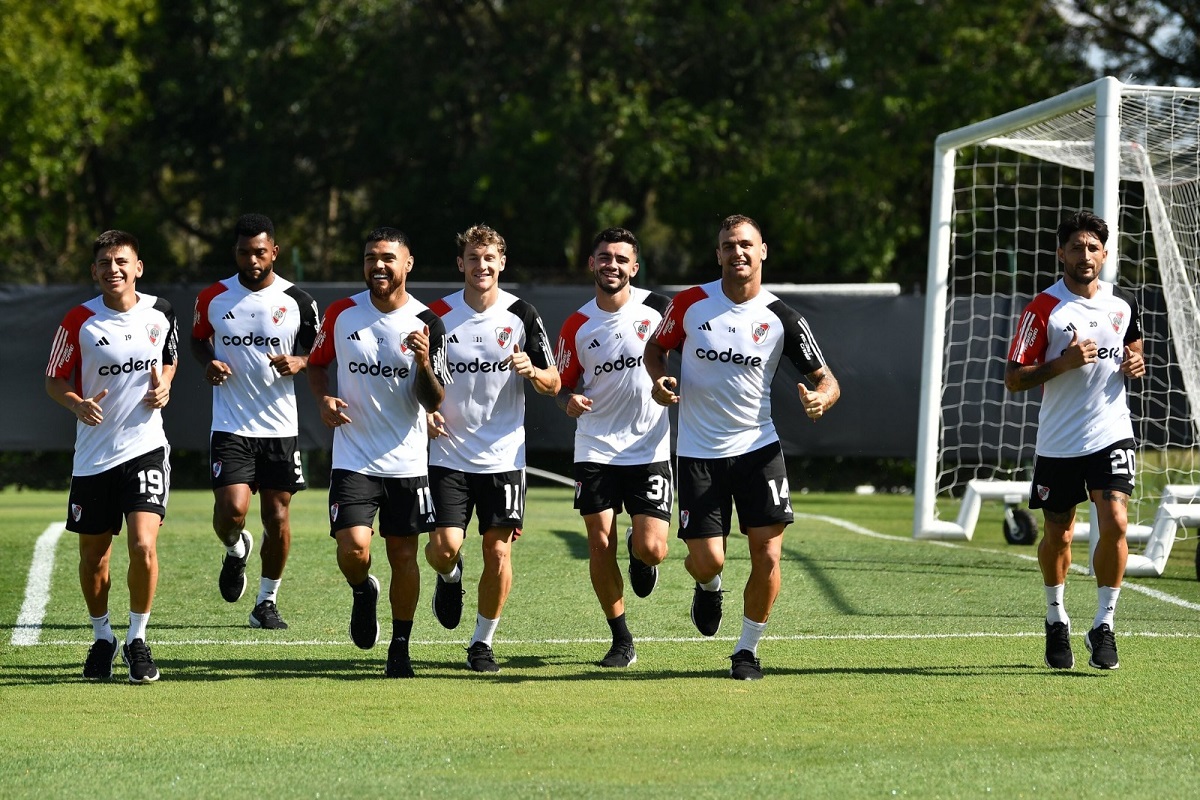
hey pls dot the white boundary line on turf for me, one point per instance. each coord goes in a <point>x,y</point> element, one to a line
<point>814,637</point>
<point>1125,584</point>
<point>28,629</point>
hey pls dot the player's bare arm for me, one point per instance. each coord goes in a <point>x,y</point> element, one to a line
<point>215,372</point>
<point>655,360</point>
<point>86,409</point>
<point>546,381</point>
<point>329,406</point>
<point>575,405</point>
<point>430,392</point>
<point>1134,363</point>
<point>825,392</point>
<point>284,364</point>
<point>1021,377</point>
<point>159,393</point>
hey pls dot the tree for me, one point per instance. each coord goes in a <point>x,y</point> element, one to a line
<point>1143,41</point>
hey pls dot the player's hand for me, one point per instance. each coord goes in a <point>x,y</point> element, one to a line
<point>418,342</point>
<point>814,403</point>
<point>435,424</point>
<point>284,364</point>
<point>1133,365</point>
<point>520,363</point>
<point>1080,353</point>
<point>663,392</point>
<point>578,405</point>
<point>217,372</point>
<point>160,390</point>
<point>88,410</point>
<point>331,412</point>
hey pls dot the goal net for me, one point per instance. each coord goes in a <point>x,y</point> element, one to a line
<point>1131,154</point>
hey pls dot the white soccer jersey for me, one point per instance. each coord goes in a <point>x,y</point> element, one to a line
<point>730,352</point>
<point>485,402</point>
<point>246,328</point>
<point>97,348</point>
<point>376,377</point>
<point>1083,410</point>
<point>600,355</point>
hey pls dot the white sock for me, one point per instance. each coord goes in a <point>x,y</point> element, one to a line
<point>102,628</point>
<point>238,548</point>
<point>1106,605</point>
<point>454,575</point>
<point>137,626</point>
<point>267,589</point>
<point>1055,610</point>
<point>751,632</point>
<point>485,629</point>
<point>712,586</point>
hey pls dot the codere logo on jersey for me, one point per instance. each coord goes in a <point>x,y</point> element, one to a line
<point>727,356</point>
<point>377,370</point>
<point>250,340</point>
<point>129,366</point>
<point>478,366</point>
<point>628,362</point>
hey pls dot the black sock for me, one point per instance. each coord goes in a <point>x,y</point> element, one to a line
<point>401,629</point>
<point>620,632</point>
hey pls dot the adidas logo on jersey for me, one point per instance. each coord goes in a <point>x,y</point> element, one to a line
<point>102,342</point>
<point>354,337</point>
<point>595,343</point>
<point>229,315</point>
<point>453,339</point>
<point>705,327</point>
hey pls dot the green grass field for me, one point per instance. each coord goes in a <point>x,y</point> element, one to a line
<point>894,667</point>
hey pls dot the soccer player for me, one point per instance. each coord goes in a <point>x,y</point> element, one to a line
<point>1079,340</point>
<point>111,365</point>
<point>731,334</point>
<point>390,353</point>
<point>622,439</point>
<point>251,333</point>
<point>477,452</point>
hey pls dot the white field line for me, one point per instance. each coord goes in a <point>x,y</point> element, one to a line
<point>37,594</point>
<point>37,587</point>
<point>1125,584</point>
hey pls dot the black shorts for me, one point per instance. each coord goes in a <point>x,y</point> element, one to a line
<point>257,461</point>
<point>404,505</point>
<point>99,503</point>
<point>498,498</point>
<point>709,487</point>
<point>1060,484</point>
<point>640,488</point>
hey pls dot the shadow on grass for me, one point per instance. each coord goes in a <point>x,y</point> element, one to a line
<point>576,542</point>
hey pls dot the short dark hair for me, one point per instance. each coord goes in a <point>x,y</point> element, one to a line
<point>733,220</point>
<point>387,234</point>
<point>114,239</point>
<point>613,236</point>
<point>251,225</point>
<point>1082,221</point>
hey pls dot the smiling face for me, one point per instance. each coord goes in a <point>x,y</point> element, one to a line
<point>385,269</point>
<point>255,256</point>
<point>481,266</point>
<point>613,264</point>
<point>741,251</point>
<point>1082,257</point>
<point>117,269</point>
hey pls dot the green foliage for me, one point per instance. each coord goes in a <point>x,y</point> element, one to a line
<point>548,120</point>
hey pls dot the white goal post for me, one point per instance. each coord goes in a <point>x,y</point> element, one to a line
<point>1000,187</point>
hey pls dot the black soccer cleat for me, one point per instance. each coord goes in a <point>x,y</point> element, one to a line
<point>481,659</point>
<point>745,667</point>
<point>266,616</point>
<point>1058,646</point>
<point>100,657</point>
<point>364,625</point>
<point>642,577</point>
<point>1103,646</point>
<point>399,665</point>
<point>620,655</point>
<point>136,655</point>
<point>448,600</point>
<point>706,611</point>
<point>232,580</point>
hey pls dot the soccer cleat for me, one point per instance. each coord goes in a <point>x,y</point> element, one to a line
<point>364,626</point>
<point>1103,646</point>
<point>621,654</point>
<point>642,577</point>
<point>398,663</point>
<point>745,667</point>
<point>448,600</point>
<point>233,572</point>
<point>481,659</point>
<point>100,657</point>
<point>136,655</point>
<point>1058,646</point>
<point>706,611</point>
<point>266,616</point>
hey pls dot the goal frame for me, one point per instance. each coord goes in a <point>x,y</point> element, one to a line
<point>1175,507</point>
